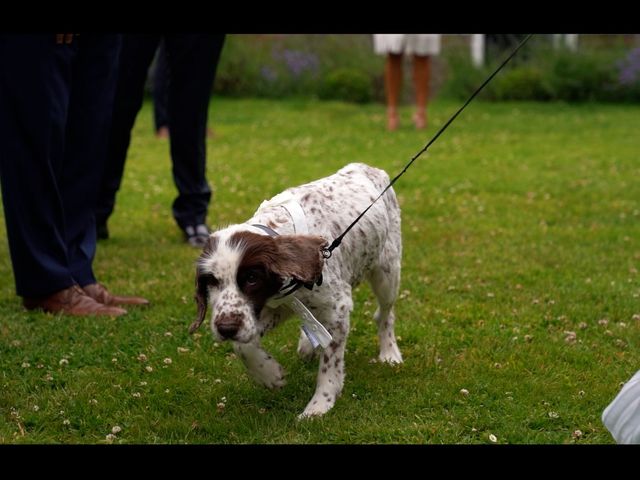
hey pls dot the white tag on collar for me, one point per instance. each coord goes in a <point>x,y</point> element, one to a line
<point>315,331</point>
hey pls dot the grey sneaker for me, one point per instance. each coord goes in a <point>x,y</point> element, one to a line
<point>197,235</point>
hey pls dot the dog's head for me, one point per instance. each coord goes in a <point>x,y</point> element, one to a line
<point>239,271</point>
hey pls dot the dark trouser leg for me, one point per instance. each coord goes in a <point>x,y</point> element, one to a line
<point>161,89</point>
<point>135,57</point>
<point>193,61</point>
<point>35,75</point>
<point>94,80</point>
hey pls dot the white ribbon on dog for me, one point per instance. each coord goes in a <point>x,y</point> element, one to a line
<point>313,329</point>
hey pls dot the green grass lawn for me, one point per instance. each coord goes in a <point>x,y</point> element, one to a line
<point>521,225</point>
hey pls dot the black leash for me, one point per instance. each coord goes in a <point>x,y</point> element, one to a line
<point>326,252</point>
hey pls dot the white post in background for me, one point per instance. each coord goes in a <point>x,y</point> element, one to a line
<point>569,40</point>
<point>477,49</point>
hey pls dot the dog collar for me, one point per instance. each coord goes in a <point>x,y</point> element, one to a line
<point>287,201</point>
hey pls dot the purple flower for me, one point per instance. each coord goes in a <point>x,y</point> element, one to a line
<point>629,68</point>
<point>268,73</point>
<point>298,61</point>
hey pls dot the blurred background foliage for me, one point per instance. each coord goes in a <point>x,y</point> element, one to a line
<point>344,67</point>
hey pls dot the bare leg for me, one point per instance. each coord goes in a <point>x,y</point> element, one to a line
<point>393,83</point>
<point>421,78</point>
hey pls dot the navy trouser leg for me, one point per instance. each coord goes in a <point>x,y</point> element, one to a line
<point>161,89</point>
<point>135,58</point>
<point>44,178</point>
<point>94,80</point>
<point>35,75</point>
<point>193,60</point>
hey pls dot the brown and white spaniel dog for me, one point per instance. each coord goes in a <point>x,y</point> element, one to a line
<point>243,268</point>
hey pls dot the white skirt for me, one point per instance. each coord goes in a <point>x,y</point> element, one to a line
<point>622,415</point>
<point>409,43</point>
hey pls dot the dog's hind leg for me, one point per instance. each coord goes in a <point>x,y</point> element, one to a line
<point>385,282</point>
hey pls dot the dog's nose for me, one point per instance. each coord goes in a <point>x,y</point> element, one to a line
<point>228,324</point>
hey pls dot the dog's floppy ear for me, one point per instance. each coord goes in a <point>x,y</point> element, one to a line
<point>300,257</point>
<point>201,301</point>
<point>202,293</point>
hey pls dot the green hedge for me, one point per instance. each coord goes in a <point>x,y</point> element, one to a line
<point>548,74</point>
<point>344,67</point>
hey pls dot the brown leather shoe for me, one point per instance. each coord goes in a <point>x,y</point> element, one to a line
<point>99,293</point>
<point>71,301</point>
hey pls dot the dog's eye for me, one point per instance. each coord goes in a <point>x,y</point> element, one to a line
<point>250,278</point>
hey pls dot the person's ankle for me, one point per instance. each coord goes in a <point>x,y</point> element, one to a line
<point>393,120</point>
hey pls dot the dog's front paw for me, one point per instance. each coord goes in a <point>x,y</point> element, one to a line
<point>270,375</point>
<point>318,405</point>
<point>390,355</point>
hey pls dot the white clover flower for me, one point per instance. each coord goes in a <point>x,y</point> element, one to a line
<point>114,360</point>
<point>492,438</point>
<point>217,380</point>
<point>553,415</point>
<point>93,401</point>
<point>26,364</point>
<point>136,394</point>
<point>182,350</point>
<point>168,334</point>
<point>142,357</point>
<point>149,368</point>
<point>220,406</point>
<point>464,392</point>
<point>110,438</point>
<point>577,434</point>
<point>66,422</point>
<point>116,429</point>
<point>167,361</point>
<point>36,408</point>
<point>63,361</point>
